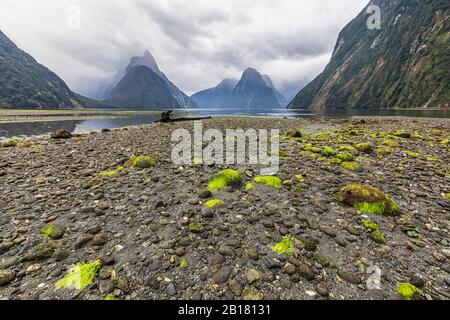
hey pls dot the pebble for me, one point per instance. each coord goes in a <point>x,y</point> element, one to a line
<point>349,277</point>
<point>222,275</point>
<point>306,271</point>
<point>6,277</point>
<point>252,276</point>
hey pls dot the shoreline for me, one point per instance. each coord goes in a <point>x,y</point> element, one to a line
<point>157,239</point>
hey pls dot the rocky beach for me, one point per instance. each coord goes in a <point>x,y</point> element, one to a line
<point>359,209</point>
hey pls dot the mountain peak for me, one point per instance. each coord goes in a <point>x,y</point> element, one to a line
<point>146,60</point>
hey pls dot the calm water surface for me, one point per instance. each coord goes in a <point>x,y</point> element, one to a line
<point>26,129</point>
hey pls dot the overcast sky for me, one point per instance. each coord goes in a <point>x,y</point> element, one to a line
<point>196,43</point>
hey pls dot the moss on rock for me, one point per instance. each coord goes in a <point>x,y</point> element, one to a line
<point>408,291</point>
<point>196,227</point>
<point>368,200</point>
<point>270,181</point>
<point>351,166</point>
<point>112,173</point>
<point>141,162</point>
<point>224,179</point>
<point>365,147</point>
<point>328,152</point>
<point>345,156</point>
<point>213,203</point>
<point>53,231</point>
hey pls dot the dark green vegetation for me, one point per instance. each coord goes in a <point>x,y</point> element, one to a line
<point>24,83</point>
<point>143,88</point>
<point>403,65</point>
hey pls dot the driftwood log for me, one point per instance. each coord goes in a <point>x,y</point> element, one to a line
<point>166,118</point>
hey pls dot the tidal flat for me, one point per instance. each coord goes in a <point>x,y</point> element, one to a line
<point>362,211</point>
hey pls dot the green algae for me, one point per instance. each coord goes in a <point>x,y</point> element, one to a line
<point>111,298</point>
<point>368,200</point>
<point>52,231</point>
<point>196,227</point>
<point>286,246</point>
<point>223,179</point>
<point>365,147</point>
<point>328,152</point>
<point>411,154</point>
<point>142,162</point>
<point>80,276</point>
<point>351,166</point>
<point>249,186</point>
<point>376,234</point>
<point>269,181</point>
<point>213,203</point>
<point>112,173</point>
<point>345,156</point>
<point>408,291</point>
<point>182,263</point>
<point>384,150</point>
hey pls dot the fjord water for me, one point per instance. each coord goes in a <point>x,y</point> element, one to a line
<point>31,128</point>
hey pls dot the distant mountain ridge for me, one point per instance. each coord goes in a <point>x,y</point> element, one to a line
<point>252,91</point>
<point>405,64</point>
<point>24,83</point>
<point>218,97</point>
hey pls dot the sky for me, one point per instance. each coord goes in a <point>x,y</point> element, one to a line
<point>196,43</point>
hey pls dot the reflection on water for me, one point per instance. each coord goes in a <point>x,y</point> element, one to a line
<point>23,129</point>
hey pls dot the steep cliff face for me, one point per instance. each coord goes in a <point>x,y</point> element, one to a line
<point>24,83</point>
<point>405,64</point>
<point>143,88</point>
<point>255,91</point>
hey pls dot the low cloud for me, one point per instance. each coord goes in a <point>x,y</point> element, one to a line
<point>196,43</point>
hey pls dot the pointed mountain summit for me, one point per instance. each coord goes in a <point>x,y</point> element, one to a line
<point>149,61</point>
<point>142,88</point>
<point>405,64</point>
<point>256,91</point>
<point>24,83</point>
<point>218,97</point>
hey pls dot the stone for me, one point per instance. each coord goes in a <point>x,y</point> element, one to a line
<point>306,271</point>
<point>252,276</point>
<point>5,246</point>
<point>123,284</point>
<point>322,289</point>
<point>235,287</point>
<point>221,276</point>
<point>61,134</point>
<point>7,262</point>
<point>82,240</point>
<point>349,277</point>
<point>106,286</point>
<point>417,280</point>
<point>171,290</point>
<point>6,277</point>
<point>153,283</point>
<point>329,231</point>
<point>99,240</point>
<point>251,295</point>
<point>39,252</point>
<point>252,254</point>
<point>290,269</point>
<point>226,250</point>
<point>216,259</point>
